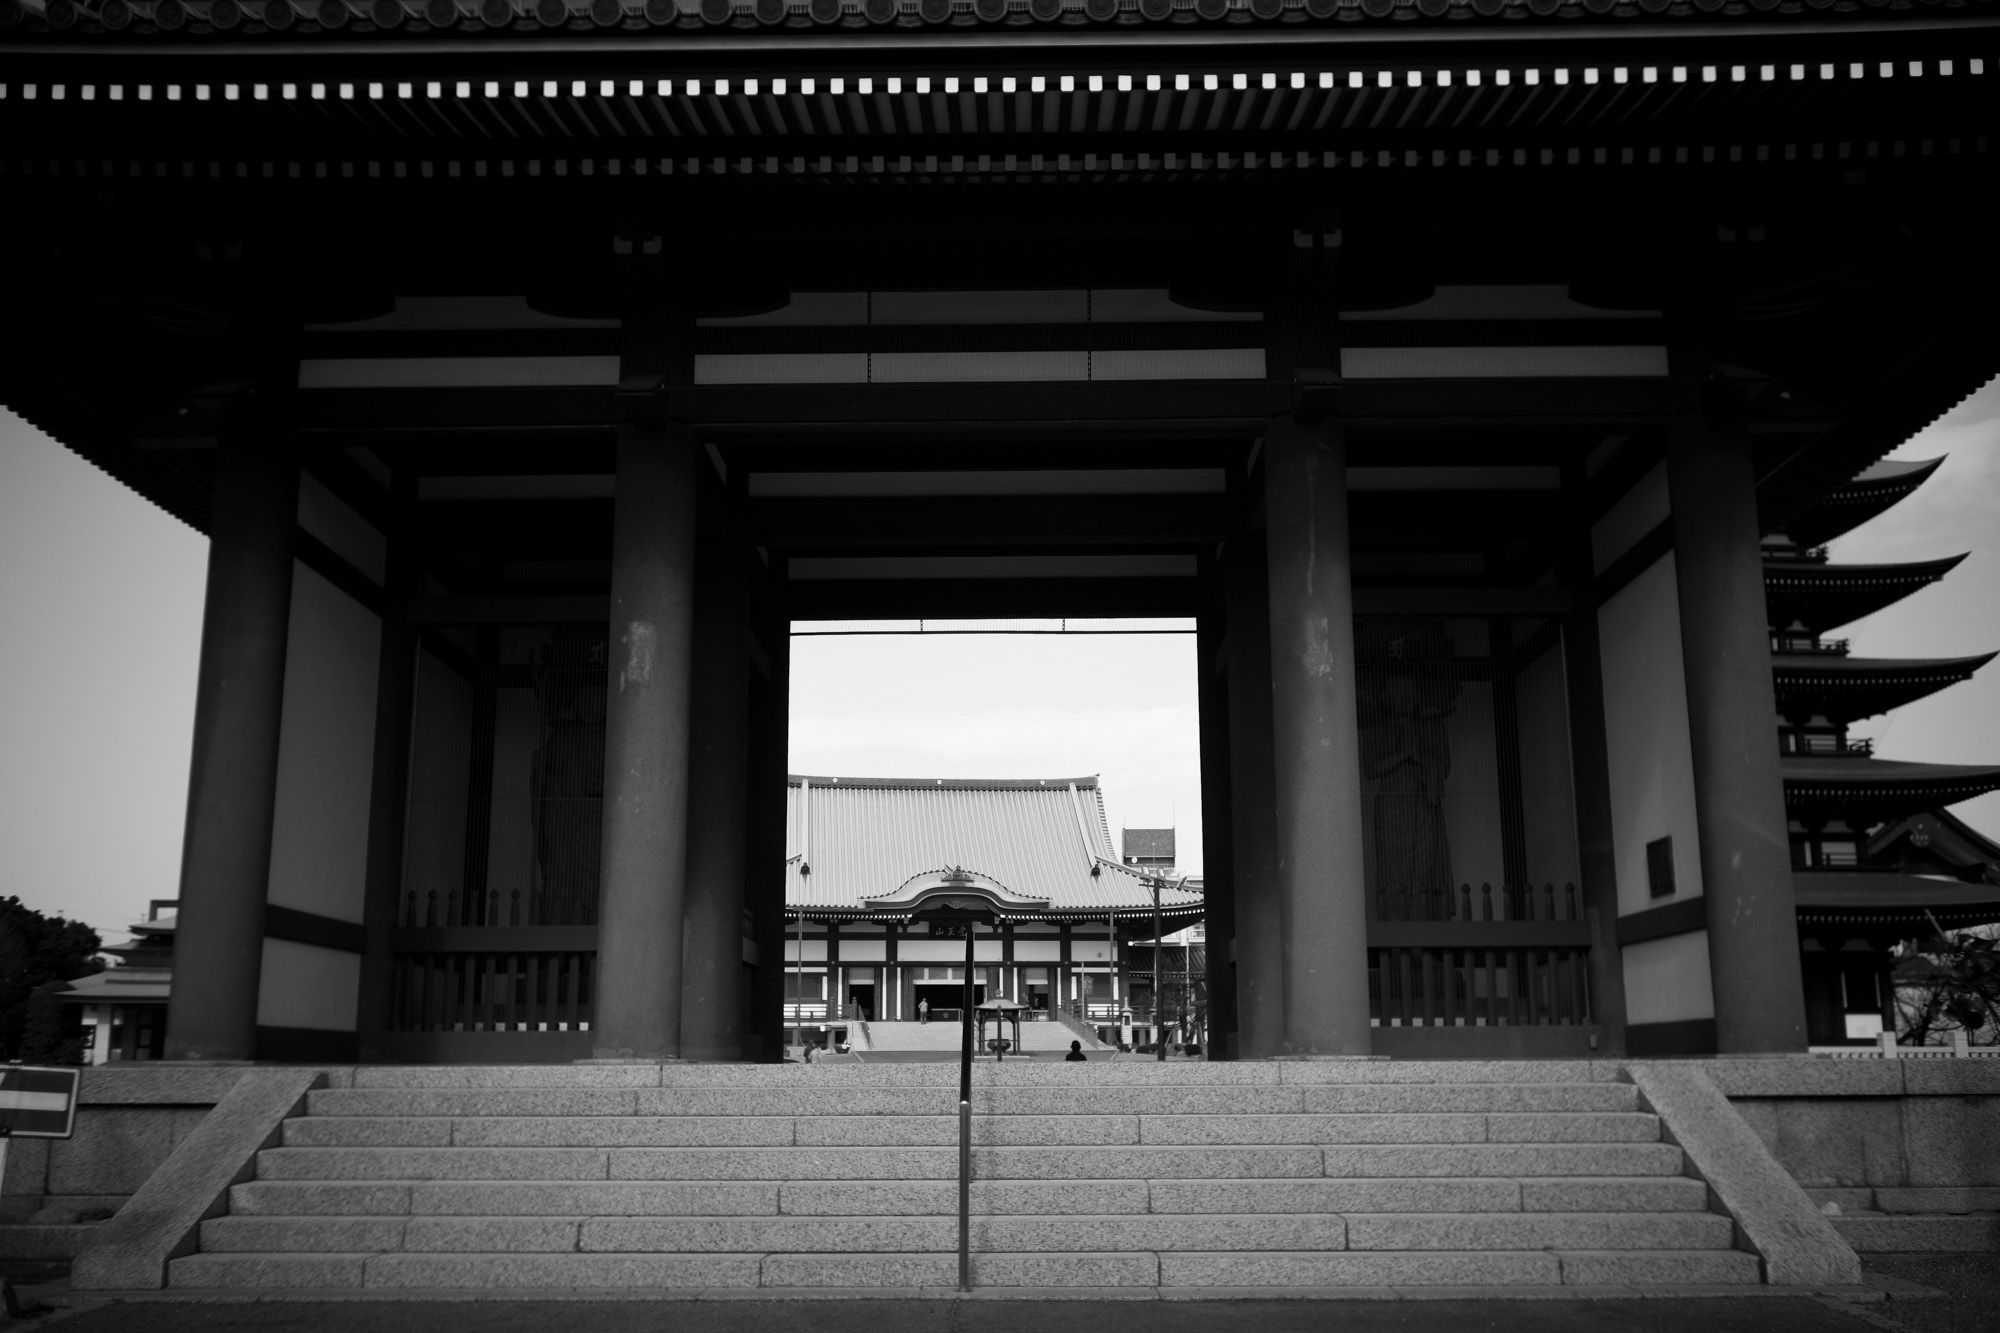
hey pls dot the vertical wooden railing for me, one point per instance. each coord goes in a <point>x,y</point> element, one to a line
<point>1511,957</point>
<point>493,990</point>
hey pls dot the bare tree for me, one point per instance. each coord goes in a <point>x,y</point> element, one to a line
<point>1949,982</point>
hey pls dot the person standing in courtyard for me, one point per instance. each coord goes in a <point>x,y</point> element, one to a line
<point>1075,1053</point>
<point>923,1011</point>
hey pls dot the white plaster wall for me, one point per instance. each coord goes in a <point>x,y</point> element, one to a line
<point>326,752</point>
<point>305,986</point>
<point>1667,981</point>
<point>1646,734</point>
<point>862,951</point>
<point>1037,951</point>
<point>815,950</point>
<point>440,758</point>
<point>1090,951</point>
<point>1637,513</point>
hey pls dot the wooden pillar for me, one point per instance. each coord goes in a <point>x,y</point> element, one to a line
<point>389,785</point>
<point>1322,899</point>
<point>1260,968</point>
<point>1218,882</point>
<point>646,748</point>
<point>712,939</point>
<point>1746,864</point>
<point>765,817</point>
<point>1590,768</point>
<point>232,779</point>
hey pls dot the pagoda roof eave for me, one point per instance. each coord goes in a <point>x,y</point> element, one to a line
<point>1886,788</point>
<point>1827,596</point>
<point>1873,492</point>
<point>1828,667</point>
<point>1873,897</point>
<point>1856,687</point>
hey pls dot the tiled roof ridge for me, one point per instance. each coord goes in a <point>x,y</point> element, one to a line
<point>945,784</point>
<point>294,19</point>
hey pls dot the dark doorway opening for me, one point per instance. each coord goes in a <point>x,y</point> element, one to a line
<point>948,997</point>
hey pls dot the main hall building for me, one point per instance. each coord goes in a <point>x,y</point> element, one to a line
<point>1474,376</point>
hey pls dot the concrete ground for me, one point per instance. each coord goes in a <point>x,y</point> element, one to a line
<point>1916,1294</point>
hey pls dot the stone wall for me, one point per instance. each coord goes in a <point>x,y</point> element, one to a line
<point>1848,1128</point>
<point>129,1118</point>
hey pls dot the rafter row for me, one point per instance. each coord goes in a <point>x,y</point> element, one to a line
<point>510,107</point>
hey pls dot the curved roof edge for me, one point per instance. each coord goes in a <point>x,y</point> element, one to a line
<point>1873,491</point>
<point>1876,897</point>
<point>1889,787</point>
<point>1863,670</point>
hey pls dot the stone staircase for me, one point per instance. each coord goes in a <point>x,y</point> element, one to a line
<point>1097,1175</point>
<point>1044,1037</point>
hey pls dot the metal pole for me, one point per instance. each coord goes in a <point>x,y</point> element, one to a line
<point>1159,983</point>
<point>965,1121</point>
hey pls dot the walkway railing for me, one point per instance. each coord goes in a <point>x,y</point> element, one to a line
<point>1073,1017</point>
<point>493,991</point>
<point>819,1011</point>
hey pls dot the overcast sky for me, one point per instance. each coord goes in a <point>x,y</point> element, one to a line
<point>100,599</point>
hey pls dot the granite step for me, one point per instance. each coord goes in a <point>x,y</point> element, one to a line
<point>1496,1268</point>
<point>1229,1268</point>
<point>283,1198</point>
<point>804,1099</point>
<point>941,1163</point>
<point>1915,1233</point>
<point>637,1131</point>
<point>1363,1173</point>
<point>919,1163</point>
<point>987,1073</point>
<point>505,1271</point>
<point>1025,1233</point>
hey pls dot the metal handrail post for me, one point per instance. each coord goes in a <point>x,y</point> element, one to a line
<point>965,1119</point>
<point>1159,982</point>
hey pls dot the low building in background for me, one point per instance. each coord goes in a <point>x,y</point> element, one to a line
<point>123,1009</point>
<point>862,852</point>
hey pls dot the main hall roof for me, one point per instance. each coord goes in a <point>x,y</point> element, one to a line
<point>849,840</point>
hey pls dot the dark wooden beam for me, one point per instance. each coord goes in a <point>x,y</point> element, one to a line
<point>987,599</point>
<point>987,520</point>
<point>986,410</point>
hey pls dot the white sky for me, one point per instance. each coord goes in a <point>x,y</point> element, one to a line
<point>100,597</point>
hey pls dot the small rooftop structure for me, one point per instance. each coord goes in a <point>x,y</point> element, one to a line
<point>1149,846</point>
